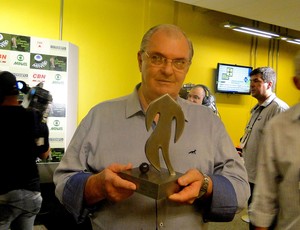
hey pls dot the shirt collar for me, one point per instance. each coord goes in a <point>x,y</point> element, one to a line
<point>133,105</point>
<point>267,102</point>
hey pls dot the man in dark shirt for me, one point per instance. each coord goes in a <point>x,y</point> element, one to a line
<point>23,138</point>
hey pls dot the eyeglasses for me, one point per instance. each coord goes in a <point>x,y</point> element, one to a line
<point>159,60</point>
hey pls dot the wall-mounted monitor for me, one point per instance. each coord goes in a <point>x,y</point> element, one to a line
<point>233,79</point>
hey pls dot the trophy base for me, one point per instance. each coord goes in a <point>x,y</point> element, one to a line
<point>154,184</point>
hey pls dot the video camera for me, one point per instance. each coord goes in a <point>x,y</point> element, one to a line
<point>35,98</point>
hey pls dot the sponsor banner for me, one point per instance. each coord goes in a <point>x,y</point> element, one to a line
<point>14,42</point>
<point>39,60</point>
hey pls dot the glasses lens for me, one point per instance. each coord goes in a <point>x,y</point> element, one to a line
<point>156,59</point>
<point>159,60</point>
<point>180,63</point>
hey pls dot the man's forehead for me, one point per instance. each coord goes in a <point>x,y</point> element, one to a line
<point>256,76</point>
<point>161,41</point>
<point>198,90</point>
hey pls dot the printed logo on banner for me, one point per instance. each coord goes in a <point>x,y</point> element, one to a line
<point>56,126</point>
<point>4,41</point>
<point>57,110</point>
<point>39,45</point>
<point>37,61</point>
<point>57,77</point>
<point>20,60</point>
<point>14,42</point>
<point>56,134</point>
<point>48,62</point>
<point>4,57</point>
<point>21,76</point>
<point>58,80</point>
<point>58,47</point>
<point>50,47</point>
<point>38,77</point>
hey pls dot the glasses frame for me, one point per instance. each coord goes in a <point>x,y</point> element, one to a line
<point>163,61</point>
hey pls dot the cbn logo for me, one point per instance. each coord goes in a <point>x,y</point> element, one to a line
<point>56,123</point>
<point>20,57</point>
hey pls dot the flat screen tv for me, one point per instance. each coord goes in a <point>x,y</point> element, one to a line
<point>233,79</point>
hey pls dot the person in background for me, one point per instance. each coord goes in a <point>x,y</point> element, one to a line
<point>262,86</point>
<point>201,95</point>
<point>23,138</point>
<point>276,197</point>
<point>112,137</point>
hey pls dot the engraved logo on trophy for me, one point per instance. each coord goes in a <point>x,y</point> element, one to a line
<point>159,182</point>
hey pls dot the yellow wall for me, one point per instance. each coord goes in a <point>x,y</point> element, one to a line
<point>108,35</point>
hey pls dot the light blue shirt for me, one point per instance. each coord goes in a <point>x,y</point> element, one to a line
<point>114,131</point>
<point>277,189</point>
<point>260,115</point>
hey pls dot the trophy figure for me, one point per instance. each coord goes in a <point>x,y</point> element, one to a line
<point>154,181</point>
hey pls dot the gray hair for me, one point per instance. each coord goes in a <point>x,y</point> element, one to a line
<point>168,27</point>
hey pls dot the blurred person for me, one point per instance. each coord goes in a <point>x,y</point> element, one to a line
<point>23,139</point>
<point>201,95</point>
<point>262,86</point>
<point>112,137</point>
<point>276,197</point>
<point>197,94</point>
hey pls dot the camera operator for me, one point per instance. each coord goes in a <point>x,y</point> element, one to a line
<point>23,138</point>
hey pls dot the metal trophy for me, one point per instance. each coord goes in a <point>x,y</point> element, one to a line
<point>154,181</point>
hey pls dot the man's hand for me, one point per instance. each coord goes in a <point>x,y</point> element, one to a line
<point>107,184</point>
<point>191,183</point>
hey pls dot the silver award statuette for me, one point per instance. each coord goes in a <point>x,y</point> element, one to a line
<point>154,181</point>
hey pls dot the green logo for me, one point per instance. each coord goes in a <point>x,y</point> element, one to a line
<point>20,57</point>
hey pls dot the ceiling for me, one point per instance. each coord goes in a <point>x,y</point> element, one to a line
<point>283,13</point>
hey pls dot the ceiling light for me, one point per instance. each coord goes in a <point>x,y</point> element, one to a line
<point>250,30</point>
<point>258,32</point>
<point>294,41</point>
<point>253,33</point>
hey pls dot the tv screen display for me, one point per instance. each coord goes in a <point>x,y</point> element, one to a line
<point>233,79</point>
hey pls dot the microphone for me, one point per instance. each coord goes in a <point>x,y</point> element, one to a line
<point>213,104</point>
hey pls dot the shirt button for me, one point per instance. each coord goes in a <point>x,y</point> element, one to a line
<point>161,224</point>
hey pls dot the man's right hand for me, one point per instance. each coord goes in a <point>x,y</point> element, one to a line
<point>107,184</point>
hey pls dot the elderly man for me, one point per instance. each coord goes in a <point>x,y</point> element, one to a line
<point>112,137</point>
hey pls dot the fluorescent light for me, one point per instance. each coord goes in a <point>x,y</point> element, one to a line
<point>294,41</point>
<point>260,33</point>
<point>253,33</point>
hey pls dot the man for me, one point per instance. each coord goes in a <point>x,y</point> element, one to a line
<point>23,138</point>
<point>276,195</point>
<point>201,95</point>
<point>262,85</point>
<point>112,137</point>
<point>196,94</point>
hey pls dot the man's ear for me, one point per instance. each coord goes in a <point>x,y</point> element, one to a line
<point>297,82</point>
<point>139,57</point>
<point>270,84</point>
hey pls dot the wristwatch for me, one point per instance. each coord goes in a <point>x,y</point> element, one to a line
<point>203,189</point>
